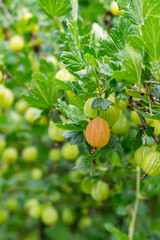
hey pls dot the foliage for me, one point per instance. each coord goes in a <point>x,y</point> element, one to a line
<point>67,52</point>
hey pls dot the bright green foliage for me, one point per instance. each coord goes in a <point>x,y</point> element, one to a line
<point>56,56</point>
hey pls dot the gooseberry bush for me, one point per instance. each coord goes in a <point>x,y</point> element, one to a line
<point>79,119</point>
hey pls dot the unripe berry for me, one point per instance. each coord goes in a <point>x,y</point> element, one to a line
<point>100,191</point>
<point>36,173</point>
<point>2,144</point>
<point>122,103</point>
<point>88,110</point>
<point>140,155</point>
<point>3,216</point>
<point>30,115</point>
<point>1,76</point>
<point>64,75</point>
<point>21,106</point>
<point>151,164</point>
<point>27,15</point>
<point>30,154</point>
<point>10,155</point>
<point>86,186</point>
<point>121,126</point>
<point>35,211</point>
<point>135,118</point>
<point>55,155</point>
<point>85,222</point>
<point>68,216</point>
<point>6,97</point>
<point>16,43</point>
<point>49,215</point>
<point>111,115</point>
<point>70,152</point>
<point>115,9</point>
<point>53,60</point>
<point>12,204</point>
<point>55,133</point>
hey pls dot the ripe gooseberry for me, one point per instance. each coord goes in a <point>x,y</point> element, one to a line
<point>98,133</point>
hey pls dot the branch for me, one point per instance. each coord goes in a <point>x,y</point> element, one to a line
<point>144,124</point>
<point>6,13</point>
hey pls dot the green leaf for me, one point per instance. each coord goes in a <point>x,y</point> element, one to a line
<point>115,160</point>
<point>102,103</point>
<point>120,236</point>
<point>72,112</point>
<point>76,136</point>
<point>136,42</point>
<point>63,85</point>
<point>73,62</point>
<point>72,126</point>
<point>55,8</point>
<point>137,141</point>
<point>114,48</point>
<point>43,93</point>
<point>151,37</point>
<point>114,144</point>
<point>132,67</point>
<point>46,67</point>
<point>144,114</point>
<point>138,10</point>
<point>149,131</point>
<point>78,101</point>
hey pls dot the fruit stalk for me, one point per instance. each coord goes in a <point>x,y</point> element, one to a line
<point>134,214</point>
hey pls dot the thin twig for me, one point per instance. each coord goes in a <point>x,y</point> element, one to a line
<point>144,124</point>
<point>6,13</point>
